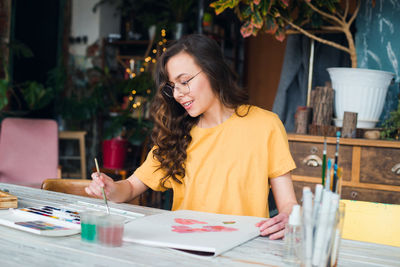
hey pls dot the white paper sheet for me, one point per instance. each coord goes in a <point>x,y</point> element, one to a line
<point>207,234</point>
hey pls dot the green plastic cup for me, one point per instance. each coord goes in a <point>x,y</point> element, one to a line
<point>89,220</point>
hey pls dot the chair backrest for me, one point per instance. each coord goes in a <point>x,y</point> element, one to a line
<point>67,186</point>
<point>75,187</point>
<point>28,151</point>
<point>372,222</point>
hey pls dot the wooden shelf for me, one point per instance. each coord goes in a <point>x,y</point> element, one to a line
<point>80,137</point>
<point>129,42</point>
<point>344,141</point>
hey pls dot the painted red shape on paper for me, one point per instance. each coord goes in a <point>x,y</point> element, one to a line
<point>217,228</point>
<point>188,221</point>
<point>212,228</point>
<point>185,229</point>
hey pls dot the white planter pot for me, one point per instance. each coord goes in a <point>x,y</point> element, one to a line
<point>152,32</point>
<point>179,30</point>
<point>359,90</point>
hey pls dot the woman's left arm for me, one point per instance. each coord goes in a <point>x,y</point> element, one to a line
<point>282,188</point>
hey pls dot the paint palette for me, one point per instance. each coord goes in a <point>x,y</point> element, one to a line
<point>53,213</point>
<point>46,220</point>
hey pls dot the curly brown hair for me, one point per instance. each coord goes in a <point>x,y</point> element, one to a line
<point>172,124</point>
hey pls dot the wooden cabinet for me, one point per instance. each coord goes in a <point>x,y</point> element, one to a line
<point>371,168</point>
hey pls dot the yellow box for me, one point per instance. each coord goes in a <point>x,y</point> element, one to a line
<point>372,222</point>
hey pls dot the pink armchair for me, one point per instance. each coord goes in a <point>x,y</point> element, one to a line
<point>28,151</point>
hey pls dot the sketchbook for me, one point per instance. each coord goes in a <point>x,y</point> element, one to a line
<point>200,233</point>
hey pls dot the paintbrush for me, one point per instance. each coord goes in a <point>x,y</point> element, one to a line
<point>335,166</point>
<point>102,188</point>
<point>324,163</point>
<point>339,181</point>
<point>328,181</point>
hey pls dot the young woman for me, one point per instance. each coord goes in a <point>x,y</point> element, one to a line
<point>215,152</point>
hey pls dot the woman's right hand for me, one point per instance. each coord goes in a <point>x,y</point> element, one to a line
<point>95,187</point>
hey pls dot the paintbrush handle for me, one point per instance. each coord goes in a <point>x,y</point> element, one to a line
<point>105,200</point>
<point>323,168</point>
<point>324,163</point>
<point>335,166</point>
<point>102,188</point>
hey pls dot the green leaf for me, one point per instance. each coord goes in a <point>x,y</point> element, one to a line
<point>247,29</point>
<point>221,5</point>
<point>233,3</point>
<point>391,126</point>
<point>3,93</point>
<point>218,8</point>
<point>280,35</point>
<point>20,49</point>
<point>270,25</point>
<point>265,6</point>
<point>257,20</point>
<point>246,13</point>
<point>36,95</point>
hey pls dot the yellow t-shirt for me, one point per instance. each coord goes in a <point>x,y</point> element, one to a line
<point>228,166</point>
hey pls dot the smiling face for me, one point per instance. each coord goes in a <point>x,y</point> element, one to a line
<point>201,99</point>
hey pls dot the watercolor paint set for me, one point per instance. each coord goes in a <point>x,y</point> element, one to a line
<point>53,213</point>
<point>45,220</point>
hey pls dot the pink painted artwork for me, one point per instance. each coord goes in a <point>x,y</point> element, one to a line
<point>217,228</point>
<point>185,229</point>
<point>188,221</point>
<point>207,228</point>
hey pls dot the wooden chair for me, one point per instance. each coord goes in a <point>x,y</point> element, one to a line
<point>67,186</point>
<point>74,187</point>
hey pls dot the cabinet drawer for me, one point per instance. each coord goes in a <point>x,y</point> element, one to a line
<point>372,195</point>
<point>303,151</point>
<point>377,164</point>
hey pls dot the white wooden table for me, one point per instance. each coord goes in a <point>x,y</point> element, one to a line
<point>18,248</point>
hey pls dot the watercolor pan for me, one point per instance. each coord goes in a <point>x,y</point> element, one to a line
<point>38,223</point>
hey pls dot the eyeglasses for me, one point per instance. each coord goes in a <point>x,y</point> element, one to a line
<point>183,87</point>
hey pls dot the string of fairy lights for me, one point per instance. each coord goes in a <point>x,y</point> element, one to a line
<point>148,61</point>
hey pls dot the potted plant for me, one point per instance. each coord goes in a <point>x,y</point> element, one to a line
<point>7,88</point>
<point>391,126</point>
<point>180,11</point>
<point>30,98</point>
<point>141,17</point>
<point>274,17</point>
<point>127,123</point>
